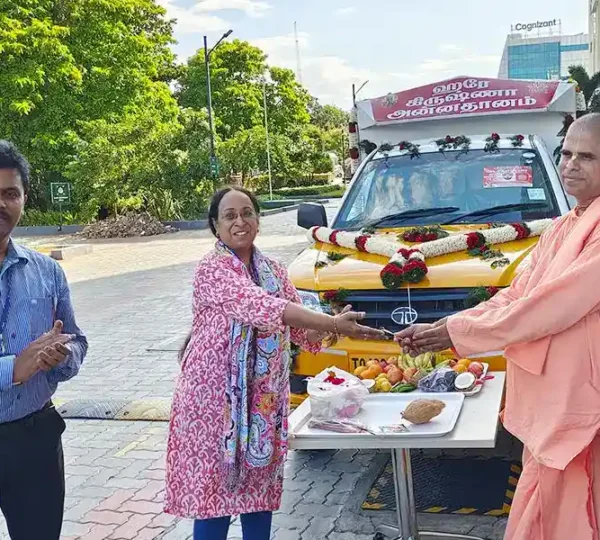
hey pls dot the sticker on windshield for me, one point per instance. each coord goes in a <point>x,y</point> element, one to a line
<point>517,176</point>
<point>536,194</point>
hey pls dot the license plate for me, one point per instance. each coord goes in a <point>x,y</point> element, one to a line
<point>358,361</point>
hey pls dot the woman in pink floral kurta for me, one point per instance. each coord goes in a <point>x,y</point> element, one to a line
<point>228,432</point>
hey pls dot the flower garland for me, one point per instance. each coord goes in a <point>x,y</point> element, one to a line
<point>479,295</point>
<point>517,140</point>
<point>407,265</point>
<point>461,142</point>
<point>491,143</point>
<point>412,149</point>
<point>424,234</point>
<point>338,297</point>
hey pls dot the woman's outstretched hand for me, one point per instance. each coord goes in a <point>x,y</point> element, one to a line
<point>347,325</point>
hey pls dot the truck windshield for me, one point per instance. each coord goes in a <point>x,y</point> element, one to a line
<point>513,183</point>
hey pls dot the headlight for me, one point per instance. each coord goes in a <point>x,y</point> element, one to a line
<point>311,300</point>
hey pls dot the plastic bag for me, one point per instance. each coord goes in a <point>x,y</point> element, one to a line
<point>335,400</point>
<point>440,380</point>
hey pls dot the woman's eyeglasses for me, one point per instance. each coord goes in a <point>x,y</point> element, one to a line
<point>246,215</point>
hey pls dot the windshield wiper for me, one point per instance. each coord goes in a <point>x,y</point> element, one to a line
<point>496,210</point>
<point>407,214</point>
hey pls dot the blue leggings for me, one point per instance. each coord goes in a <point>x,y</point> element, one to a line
<point>254,527</point>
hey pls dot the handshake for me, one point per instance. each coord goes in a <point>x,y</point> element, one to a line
<point>423,338</point>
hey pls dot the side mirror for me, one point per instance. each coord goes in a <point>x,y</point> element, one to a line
<point>312,215</point>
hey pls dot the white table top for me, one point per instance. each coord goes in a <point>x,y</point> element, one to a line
<point>477,427</point>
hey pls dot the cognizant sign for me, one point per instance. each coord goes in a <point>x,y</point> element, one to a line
<point>521,27</point>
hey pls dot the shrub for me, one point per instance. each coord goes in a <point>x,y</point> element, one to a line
<point>38,218</point>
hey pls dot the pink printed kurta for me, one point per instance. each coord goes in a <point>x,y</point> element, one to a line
<point>548,323</point>
<point>196,487</point>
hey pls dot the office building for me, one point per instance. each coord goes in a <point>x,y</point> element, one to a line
<point>594,30</point>
<point>539,51</point>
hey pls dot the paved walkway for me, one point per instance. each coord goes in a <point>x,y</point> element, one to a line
<point>133,300</point>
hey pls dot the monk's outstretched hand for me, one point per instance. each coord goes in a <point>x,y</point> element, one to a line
<point>406,338</point>
<point>432,339</point>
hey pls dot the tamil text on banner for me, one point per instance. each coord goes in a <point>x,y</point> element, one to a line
<point>464,96</point>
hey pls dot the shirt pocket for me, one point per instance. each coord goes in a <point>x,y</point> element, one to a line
<point>42,311</point>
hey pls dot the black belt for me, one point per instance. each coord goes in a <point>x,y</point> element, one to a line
<point>29,420</point>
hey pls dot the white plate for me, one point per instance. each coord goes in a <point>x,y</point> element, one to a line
<point>381,410</point>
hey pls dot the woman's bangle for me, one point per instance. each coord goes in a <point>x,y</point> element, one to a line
<point>335,326</point>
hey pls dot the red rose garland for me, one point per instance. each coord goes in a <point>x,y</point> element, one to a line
<point>361,243</point>
<point>411,270</point>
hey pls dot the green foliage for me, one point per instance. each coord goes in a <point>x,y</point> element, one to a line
<point>327,117</point>
<point>330,190</point>
<point>68,63</point>
<point>86,96</point>
<point>37,218</point>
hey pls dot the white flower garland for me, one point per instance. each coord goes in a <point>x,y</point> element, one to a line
<point>380,245</point>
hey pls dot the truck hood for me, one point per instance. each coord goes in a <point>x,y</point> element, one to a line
<point>360,271</point>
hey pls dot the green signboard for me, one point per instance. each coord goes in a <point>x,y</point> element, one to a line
<point>61,192</point>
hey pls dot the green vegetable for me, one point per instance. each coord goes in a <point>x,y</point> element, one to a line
<point>403,387</point>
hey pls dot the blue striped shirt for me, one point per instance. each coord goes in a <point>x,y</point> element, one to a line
<point>39,296</point>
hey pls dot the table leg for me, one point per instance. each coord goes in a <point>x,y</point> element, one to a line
<point>406,512</point>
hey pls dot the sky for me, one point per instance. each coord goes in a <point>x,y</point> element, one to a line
<point>393,44</point>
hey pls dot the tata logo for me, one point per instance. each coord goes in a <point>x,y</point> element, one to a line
<point>404,316</point>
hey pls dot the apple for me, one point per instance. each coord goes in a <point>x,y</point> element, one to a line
<point>388,368</point>
<point>477,369</point>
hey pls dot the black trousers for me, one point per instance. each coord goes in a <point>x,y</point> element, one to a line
<point>32,479</point>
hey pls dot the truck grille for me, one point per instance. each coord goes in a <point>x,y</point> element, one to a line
<point>430,305</point>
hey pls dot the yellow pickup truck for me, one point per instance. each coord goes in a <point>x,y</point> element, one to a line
<point>458,190</point>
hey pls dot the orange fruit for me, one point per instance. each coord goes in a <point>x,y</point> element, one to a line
<point>369,374</point>
<point>377,368</point>
<point>360,370</point>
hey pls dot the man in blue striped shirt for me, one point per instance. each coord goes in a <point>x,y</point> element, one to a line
<point>40,346</point>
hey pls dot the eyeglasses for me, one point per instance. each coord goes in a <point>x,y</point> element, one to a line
<point>246,215</point>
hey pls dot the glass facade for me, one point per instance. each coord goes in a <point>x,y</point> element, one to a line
<point>543,57</point>
<point>535,61</point>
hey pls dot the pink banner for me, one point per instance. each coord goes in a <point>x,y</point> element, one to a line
<point>464,96</point>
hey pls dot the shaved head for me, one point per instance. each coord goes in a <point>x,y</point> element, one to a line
<point>580,162</point>
<point>589,122</point>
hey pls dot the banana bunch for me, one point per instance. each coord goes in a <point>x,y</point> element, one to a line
<point>422,362</point>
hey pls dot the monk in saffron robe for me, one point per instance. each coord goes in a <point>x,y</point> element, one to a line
<point>548,324</point>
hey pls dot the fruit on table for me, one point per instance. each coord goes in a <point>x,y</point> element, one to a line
<point>477,369</point>
<point>383,385</point>
<point>388,368</point>
<point>395,375</point>
<point>360,370</point>
<point>377,368</point>
<point>408,373</point>
<point>392,360</point>
<point>369,374</point>
<point>465,382</point>
<point>460,368</point>
<point>422,411</point>
<point>464,361</point>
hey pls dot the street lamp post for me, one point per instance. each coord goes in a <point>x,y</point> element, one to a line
<point>267,136</point>
<point>354,94</point>
<point>207,53</point>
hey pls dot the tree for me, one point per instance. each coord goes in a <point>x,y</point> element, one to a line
<point>587,84</point>
<point>238,80</point>
<point>327,117</point>
<point>121,162</point>
<point>69,62</point>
